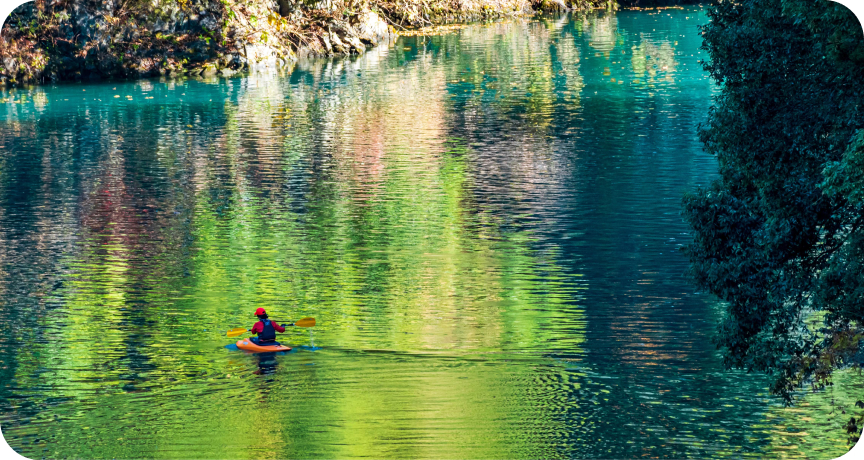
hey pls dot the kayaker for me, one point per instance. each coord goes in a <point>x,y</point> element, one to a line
<point>266,329</point>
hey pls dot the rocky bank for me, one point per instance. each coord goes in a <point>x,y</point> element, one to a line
<point>55,40</point>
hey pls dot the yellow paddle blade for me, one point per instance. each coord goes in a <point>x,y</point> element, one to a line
<point>305,322</point>
<point>236,331</point>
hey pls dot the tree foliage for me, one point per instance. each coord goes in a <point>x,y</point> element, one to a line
<point>779,235</point>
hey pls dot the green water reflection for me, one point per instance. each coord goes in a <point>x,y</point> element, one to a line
<point>485,225</point>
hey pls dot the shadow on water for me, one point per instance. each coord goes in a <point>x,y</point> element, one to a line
<point>266,363</point>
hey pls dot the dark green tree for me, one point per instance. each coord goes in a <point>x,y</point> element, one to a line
<point>779,235</point>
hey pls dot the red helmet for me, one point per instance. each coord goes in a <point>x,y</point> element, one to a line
<point>260,312</point>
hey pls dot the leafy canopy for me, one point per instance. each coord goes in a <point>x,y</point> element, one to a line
<point>779,236</point>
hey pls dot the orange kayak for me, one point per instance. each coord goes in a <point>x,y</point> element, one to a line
<point>248,345</point>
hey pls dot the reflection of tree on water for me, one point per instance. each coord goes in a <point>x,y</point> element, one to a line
<point>654,60</point>
<point>601,31</point>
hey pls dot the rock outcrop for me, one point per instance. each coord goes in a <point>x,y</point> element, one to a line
<point>53,40</point>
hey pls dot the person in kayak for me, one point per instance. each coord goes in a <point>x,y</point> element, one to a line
<point>266,329</point>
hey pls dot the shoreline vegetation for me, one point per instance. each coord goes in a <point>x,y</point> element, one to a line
<point>48,41</point>
<point>778,237</point>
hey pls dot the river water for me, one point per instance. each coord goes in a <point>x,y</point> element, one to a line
<point>485,224</point>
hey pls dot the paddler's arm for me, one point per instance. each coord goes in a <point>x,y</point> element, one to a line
<point>279,327</point>
<point>258,327</point>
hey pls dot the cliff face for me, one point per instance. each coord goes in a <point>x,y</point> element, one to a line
<point>51,40</point>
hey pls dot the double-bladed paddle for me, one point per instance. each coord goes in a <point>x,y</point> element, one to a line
<point>305,322</point>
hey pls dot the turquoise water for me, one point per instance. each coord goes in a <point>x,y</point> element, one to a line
<point>485,224</point>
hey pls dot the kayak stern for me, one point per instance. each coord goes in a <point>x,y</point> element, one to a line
<point>248,345</point>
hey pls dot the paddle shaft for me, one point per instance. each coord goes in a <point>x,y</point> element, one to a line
<point>305,322</point>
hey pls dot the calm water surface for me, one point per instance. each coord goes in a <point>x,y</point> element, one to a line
<point>486,225</point>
